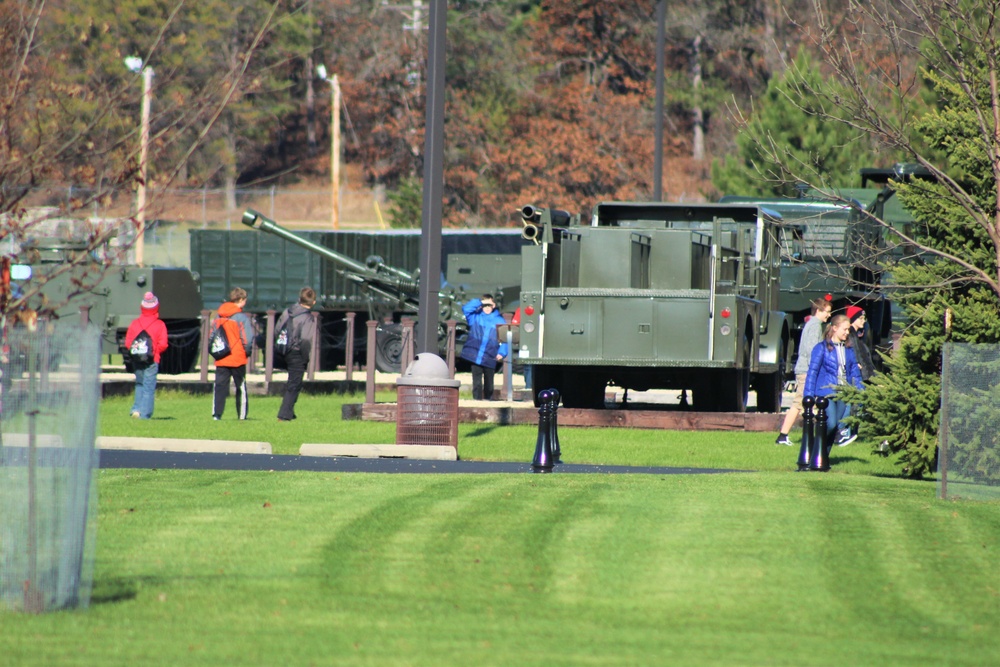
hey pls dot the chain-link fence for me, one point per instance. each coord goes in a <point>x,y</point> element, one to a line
<point>48,498</point>
<point>969,437</point>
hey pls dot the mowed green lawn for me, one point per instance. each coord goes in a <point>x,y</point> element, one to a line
<point>853,567</point>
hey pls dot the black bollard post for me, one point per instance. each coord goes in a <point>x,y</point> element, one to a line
<point>554,425</point>
<point>821,454</point>
<point>808,430</point>
<point>543,460</point>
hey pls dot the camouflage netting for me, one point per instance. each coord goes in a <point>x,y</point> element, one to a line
<point>969,455</point>
<point>48,500</point>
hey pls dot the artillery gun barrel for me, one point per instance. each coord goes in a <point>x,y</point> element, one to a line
<point>257,220</point>
<point>374,275</point>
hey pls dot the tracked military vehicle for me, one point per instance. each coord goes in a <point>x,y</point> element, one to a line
<point>59,272</point>
<point>655,296</point>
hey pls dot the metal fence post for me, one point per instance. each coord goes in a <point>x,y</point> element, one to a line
<point>349,347</point>
<point>451,324</point>
<point>314,347</point>
<point>269,347</point>
<point>407,343</point>
<point>508,364</point>
<point>206,327</point>
<point>370,363</point>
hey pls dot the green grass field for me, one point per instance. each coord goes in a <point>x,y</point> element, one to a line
<point>772,567</point>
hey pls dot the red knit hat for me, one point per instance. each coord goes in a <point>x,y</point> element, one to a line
<point>854,312</point>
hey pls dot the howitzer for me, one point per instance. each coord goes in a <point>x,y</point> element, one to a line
<point>375,277</point>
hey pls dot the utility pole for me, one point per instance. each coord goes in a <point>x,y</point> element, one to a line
<point>335,151</point>
<point>136,65</point>
<point>334,144</point>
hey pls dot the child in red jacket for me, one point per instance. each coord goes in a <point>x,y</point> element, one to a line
<point>145,353</point>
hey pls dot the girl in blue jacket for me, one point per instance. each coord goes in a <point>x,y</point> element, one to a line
<point>833,363</point>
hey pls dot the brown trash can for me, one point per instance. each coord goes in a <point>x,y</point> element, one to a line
<point>427,403</point>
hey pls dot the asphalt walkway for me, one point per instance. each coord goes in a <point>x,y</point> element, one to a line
<point>290,463</point>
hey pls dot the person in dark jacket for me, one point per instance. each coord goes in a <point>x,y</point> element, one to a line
<point>482,347</point>
<point>239,333</point>
<point>145,373</point>
<point>859,336</point>
<point>832,363</point>
<point>301,333</point>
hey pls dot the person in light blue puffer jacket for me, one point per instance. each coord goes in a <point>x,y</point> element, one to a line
<point>483,348</point>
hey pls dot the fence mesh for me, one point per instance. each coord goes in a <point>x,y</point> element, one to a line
<point>969,455</point>
<point>48,424</point>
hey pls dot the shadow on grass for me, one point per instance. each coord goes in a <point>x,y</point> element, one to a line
<point>480,431</point>
<point>115,589</point>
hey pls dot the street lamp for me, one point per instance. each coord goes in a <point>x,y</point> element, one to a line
<point>135,65</point>
<point>334,143</point>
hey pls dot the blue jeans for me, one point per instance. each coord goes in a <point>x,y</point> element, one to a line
<point>145,390</point>
<point>835,414</point>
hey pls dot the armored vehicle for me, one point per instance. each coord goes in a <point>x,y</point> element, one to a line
<point>386,291</point>
<point>839,248</point>
<point>68,276</point>
<point>831,250</point>
<point>655,296</point>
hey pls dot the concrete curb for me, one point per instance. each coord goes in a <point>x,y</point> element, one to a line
<point>423,452</point>
<point>183,445</point>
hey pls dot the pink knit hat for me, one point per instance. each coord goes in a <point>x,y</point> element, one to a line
<point>149,300</point>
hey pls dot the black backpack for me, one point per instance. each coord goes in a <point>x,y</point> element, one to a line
<point>141,350</point>
<point>284,341</point>
<point>218,344</point>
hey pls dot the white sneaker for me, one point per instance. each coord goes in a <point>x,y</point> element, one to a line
<point>135,415</point>
<point>846,438</point>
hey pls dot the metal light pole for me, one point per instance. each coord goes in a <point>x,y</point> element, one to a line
<point>334,144</point>
<point>430,228</point>
<point>135,64</point>
<point>661,13</point>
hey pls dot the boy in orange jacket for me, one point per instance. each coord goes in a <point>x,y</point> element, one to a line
<point>238,328</point>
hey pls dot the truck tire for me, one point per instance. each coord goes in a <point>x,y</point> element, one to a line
<point>734,388</point>
<point>582,390</point>
<point>542,378</point>
<point>389,348</point>
<point>770,385</point>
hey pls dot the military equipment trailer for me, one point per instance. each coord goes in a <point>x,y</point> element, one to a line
<point>655,296</point>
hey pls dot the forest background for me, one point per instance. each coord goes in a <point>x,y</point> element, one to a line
<point>547,102</point>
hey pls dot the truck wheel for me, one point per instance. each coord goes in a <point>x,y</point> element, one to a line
<point>735,386</point>
<point>770,385</point>
<point>583,391</point>
<point>389,348</point>
<point>543,377</point>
